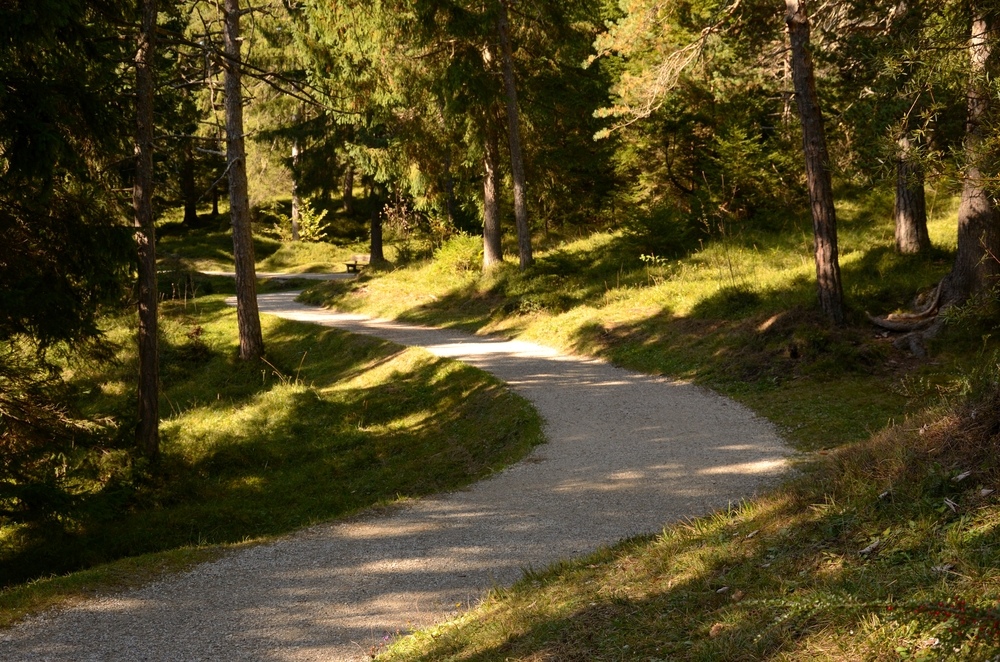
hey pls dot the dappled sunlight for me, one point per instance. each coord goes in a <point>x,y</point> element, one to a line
<point>767,467</point>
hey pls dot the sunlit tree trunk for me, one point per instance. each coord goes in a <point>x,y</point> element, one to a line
<point>449,189</point>
<point>831,296</point>
<point>516,160</point>
<point>911,206</point>
<point>247,314</point>
<point>189,190</point>
<point>492,246</point>
<point>349,190</point>
<point>976,264</point>
<point>296,201</point>
<point>375,250</point>
<point>148,429</point>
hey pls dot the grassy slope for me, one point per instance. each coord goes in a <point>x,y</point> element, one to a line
<point>737,316</point>
<point>793,575</point>
<point>330,425</point>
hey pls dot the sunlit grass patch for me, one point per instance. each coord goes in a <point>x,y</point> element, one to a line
<point>328,425</point>
<point>738,314</point>
<point>307,257</point>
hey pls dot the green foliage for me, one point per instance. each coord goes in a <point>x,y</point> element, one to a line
<point>312,223</point>
<point>46,447</point>
<point>62,129</point>
<point>460,254</point>
<point>65,251</point>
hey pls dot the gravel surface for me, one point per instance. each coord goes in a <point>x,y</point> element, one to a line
<point>274,275</point>
<point>627,454</point>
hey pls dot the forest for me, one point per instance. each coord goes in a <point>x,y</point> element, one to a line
<point>793,204</point>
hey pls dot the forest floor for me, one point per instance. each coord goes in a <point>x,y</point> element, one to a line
<point>626,454</point>
<point>883,545</point>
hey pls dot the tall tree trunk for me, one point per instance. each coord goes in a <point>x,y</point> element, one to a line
<point>831,294</point>
<point>148,430</point>
<point>492,247</point>
<point>449,189</point>
<point>215,200</point>
<point>911,206</point>
<point>516,161</point>
<point>247,314</point>
<point>375,251</point>
<point>976,262</point>
<point>189,190</point>
<point>296,201</point>
<point>349,189</point>
<point>787,90</point>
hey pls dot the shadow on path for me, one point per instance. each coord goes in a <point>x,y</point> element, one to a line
<point>627,454</point>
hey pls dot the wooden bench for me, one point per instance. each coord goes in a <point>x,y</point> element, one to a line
<point>357,262</point>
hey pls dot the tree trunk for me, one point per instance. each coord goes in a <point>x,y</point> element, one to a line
<point>911,206</point>
<point>375,250</point>
<point>976,262</point>
<point>492,247</point>
<point>189,191</point>
<point>449,189</point>
<point>516,161</point>
<point>215,201</point>
<point>247,315</point>
<point>296,202</point>
<point>148,429</point>
<point>831,295</point>
<point>349,189</point>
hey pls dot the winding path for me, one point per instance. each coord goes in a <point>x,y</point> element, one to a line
<point>627,453</point>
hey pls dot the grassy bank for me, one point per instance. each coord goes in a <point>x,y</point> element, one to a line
<point>886,549</point>
<point>738,315</point>
<point>327,426</point>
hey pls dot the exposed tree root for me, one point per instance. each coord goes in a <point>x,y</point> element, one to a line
<point>919,326</point>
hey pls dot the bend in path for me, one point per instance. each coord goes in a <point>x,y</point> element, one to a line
<point>627,454</point>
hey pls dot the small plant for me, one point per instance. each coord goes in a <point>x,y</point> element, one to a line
<point>654,260</point>
<point>312,225</point>
<point>460,254</point>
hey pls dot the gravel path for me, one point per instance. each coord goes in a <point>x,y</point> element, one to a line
<point>627,453</point>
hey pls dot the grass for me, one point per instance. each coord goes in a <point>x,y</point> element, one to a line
<point>850,561</point>
<point>328,425</point>
<point>738,315</point>
<point>886,550</point>
<point>884,547</point>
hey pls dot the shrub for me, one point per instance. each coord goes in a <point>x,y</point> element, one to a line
<point>459,254</point>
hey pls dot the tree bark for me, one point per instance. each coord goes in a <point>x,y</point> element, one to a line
<point>449,189</point>
<point>831,295</point>
<point>911,206</point>
<point>516,160</point>
<point>976,264</point>
<point>189,191</point>
<point>376,254</point>
<point>296,201</point>
<point>492,246</point>
<point>349,189</point>
<point>247,314</point>
<point>148,429</point>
